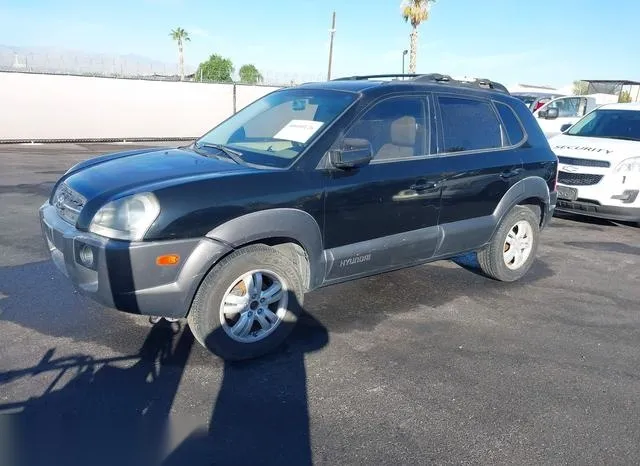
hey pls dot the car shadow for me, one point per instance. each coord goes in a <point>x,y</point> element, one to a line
<point>606,246</point>
<point>539,269</point>
<point>99,411</point>
<point>118,411</point>
<point>589,222</point>
<point>261,414</point>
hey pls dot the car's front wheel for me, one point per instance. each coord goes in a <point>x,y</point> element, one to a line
<point>248,303</point>
<point>511,252</point>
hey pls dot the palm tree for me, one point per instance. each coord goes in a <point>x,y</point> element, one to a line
<point>181,36</point>
<point>415,12</point>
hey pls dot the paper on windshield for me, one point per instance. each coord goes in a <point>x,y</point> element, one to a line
<point>298,130</point>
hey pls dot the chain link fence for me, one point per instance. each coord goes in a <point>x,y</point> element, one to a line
<point>125,67</point>
<point>627,91</point>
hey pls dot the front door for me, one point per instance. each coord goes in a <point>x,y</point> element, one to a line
<point>384,215</point>
<point>570,110</point>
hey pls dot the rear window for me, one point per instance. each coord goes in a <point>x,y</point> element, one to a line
<point>511,123</point>
<point>469,124</point>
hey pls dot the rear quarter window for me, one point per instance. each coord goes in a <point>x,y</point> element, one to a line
<point>512,124</point>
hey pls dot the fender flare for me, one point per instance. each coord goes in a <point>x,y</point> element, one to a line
<point>527,188</point>
<point>294,224</point>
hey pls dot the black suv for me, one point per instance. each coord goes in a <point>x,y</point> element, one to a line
<point>306,187</point>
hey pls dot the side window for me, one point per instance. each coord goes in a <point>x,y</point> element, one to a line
<point>567,108</point>
<point>469,124</point>
<point>511,123</point>
<point>397,128</point>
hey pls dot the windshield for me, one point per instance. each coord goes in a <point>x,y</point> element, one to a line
<point>276,128</point>
<point>615,124</point>
<point>527,99</point>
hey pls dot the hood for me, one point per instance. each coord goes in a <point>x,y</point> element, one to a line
<point>140,170</point>
<point>612,150</point>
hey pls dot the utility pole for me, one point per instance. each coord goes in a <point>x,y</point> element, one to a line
<point>332,31</point>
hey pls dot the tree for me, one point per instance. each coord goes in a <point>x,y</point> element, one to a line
<point>249,74</point>
<point>580,87</point>
<point>180,36</point>
<point>625,97</point>
<point>415,12</point>
<point>216,68</point>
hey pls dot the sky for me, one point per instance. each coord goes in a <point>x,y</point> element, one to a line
<point>543,42</point>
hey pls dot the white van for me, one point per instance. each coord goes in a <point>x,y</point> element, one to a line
<point>568,110</point>
<point>599,164</point>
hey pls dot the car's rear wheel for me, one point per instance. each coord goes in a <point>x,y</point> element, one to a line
<point>511,252</point>
<point>248,303</point>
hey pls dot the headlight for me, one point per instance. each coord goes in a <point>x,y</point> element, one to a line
<point>128,218</point>
<point>631,165</point>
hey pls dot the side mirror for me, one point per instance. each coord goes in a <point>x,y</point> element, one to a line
<point>551,114</point>
<point>565,127</point>
<point>354,153</point>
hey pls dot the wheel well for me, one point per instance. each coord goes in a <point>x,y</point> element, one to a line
<point>536,205</point>
<point>294,251</point>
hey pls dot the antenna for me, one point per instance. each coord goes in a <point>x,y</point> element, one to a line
<point>332,32</point>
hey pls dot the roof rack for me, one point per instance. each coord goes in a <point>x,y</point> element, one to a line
<point>481,83</point>
<point>376,76</point>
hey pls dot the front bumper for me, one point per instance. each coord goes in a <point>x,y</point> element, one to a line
<point>124,275</point>
<point>617,213</point>
<point>615,197</point>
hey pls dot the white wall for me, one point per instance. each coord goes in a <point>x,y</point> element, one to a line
<point>38,106</point>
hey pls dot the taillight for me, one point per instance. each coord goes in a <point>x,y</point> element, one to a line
<point>538,105</point>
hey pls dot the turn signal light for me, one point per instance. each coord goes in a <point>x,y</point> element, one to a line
<point>167,259</point>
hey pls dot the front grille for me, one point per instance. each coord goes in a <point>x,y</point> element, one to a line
<point>578,179</point>
<point>584,162</point>
<point>68,203</point>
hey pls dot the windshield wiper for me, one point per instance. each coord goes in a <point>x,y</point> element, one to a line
<point>234,155</point>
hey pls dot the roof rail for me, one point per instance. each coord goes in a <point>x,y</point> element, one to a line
<point>481,83</point>
<point>376,76</point>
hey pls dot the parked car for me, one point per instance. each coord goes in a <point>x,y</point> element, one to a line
<point>535,100</point>
<point>567,110</point>
<point>599,171</point>
<point>307,187</point>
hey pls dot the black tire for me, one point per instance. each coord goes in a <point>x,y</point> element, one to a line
<point>491,258</point>
<point>204,315</point>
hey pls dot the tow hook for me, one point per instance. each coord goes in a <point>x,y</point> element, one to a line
<point>156,319</point>
<point>168,322</point>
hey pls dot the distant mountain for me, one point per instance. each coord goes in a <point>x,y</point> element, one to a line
<point>58,60</point>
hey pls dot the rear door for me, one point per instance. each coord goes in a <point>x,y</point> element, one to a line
<point>478,139</point>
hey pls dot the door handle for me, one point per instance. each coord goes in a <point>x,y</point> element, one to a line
<point>510,173</point>
<point>425,186</point>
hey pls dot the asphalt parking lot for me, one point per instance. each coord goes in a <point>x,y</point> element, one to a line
<point>434,364</point>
